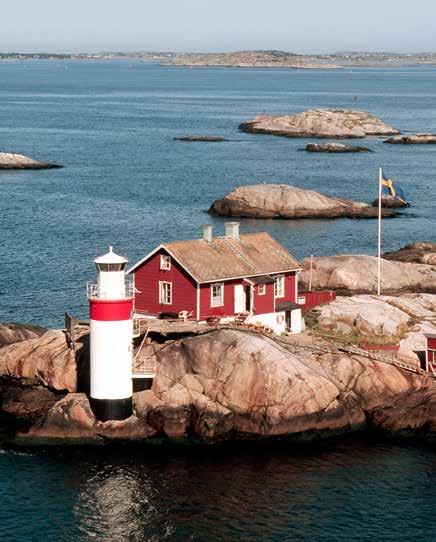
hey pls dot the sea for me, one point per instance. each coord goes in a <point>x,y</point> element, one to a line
<point>126,182</point>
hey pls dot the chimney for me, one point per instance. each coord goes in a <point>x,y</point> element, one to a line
<point>207,233</point>
<point>232,230</point>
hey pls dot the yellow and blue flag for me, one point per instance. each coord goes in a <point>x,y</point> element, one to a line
<point>393,190</point>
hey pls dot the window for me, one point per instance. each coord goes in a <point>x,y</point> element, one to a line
<point>279,286</point>
<point>165,262</point>
<point>262,289</point>
<point>217,295</point>
<point>165,293</point>
<point>106,267</point>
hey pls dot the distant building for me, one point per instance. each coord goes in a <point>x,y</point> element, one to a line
<point>249,276</point>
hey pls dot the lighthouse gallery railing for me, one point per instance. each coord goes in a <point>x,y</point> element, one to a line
<point>93,291</point>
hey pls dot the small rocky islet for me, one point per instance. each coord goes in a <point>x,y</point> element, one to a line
<point>289,202</point>
<point>337,148</point>
<point>320,123</point>
<point>10,160</point>
<point>412,139</point>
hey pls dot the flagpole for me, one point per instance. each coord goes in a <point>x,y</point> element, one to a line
<point>380,177</point>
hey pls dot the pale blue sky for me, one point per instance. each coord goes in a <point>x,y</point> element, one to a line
<point>221,25</point>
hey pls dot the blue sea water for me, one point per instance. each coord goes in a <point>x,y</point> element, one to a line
<point>341,491</point>
<point>126,182</point>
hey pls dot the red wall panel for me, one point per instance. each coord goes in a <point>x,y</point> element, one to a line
<point>228,309</point>
<point>264,304</point>
<point>147,279</point>
<point>431,343</point>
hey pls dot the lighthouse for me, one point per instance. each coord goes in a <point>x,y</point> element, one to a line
<point>111,328</point>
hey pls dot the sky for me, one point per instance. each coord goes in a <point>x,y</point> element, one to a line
<point>303,26</point>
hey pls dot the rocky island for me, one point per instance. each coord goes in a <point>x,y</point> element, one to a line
<point>320,123</point>
<point>19,161</point>
<point>226,384</point>
<point>254,59</point>
<point>285,201</point>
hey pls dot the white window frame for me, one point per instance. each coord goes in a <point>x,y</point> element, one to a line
<point>214,300</point>
<point>261,289</point>
<point>279,286</point>
<point>165,297</point>
<point>165,262</point>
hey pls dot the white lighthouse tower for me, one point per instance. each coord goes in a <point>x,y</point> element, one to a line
<point>111,326</point>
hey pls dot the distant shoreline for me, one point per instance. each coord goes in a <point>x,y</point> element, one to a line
<point>247,59</point>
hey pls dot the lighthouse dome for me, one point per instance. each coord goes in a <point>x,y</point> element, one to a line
<point>110,258</point>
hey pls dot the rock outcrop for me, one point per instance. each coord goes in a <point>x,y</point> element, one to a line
<point>320,123</point>
<point>11,333</point>
<point>231,384</point>
<point>350,274</point>
<point>413,139</point>
<point>46,359</point>
<point>285,201</point>
<point>411,416</point>
<point>366,315</point>
<point>335,148</point>
<point>415,253</point>
<point>389,317</point>
<point>18,161</point>
<point>206,138</point>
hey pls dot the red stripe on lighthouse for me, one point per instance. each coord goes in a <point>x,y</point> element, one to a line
<point>111,310</point>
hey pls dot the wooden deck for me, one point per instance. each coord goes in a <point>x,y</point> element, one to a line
<point>168,326</point>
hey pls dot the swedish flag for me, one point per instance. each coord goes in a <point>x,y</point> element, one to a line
<point>393,190</point>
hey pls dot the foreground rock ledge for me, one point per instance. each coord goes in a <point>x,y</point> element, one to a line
<point>230,384</point>
<point>321,123</point>
<point>19,161</point>
<point>285,201</point>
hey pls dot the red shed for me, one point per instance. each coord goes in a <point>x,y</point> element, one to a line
<point>430,353</point>
<point>249,274</point>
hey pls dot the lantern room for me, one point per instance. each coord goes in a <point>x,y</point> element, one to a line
<point>111,280</point>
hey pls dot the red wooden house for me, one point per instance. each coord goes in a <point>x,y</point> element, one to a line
<point>248,274</point>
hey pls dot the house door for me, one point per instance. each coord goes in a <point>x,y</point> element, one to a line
<point>240,298</point>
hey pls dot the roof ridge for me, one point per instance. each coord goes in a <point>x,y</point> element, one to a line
<point>241,255</point>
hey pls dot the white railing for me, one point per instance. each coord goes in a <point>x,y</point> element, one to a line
<point>93,291</point>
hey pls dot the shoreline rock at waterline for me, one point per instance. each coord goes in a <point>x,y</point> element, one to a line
<point>388,202</point>
<point>335,148</point>
<point>412,139</point>
<point>289,202</point>
<point>415,253</point>
<point>205,138</point>
<point>19,161</point>
<point>320,123</point>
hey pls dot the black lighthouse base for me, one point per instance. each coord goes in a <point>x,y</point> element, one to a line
<point>111,409</point>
